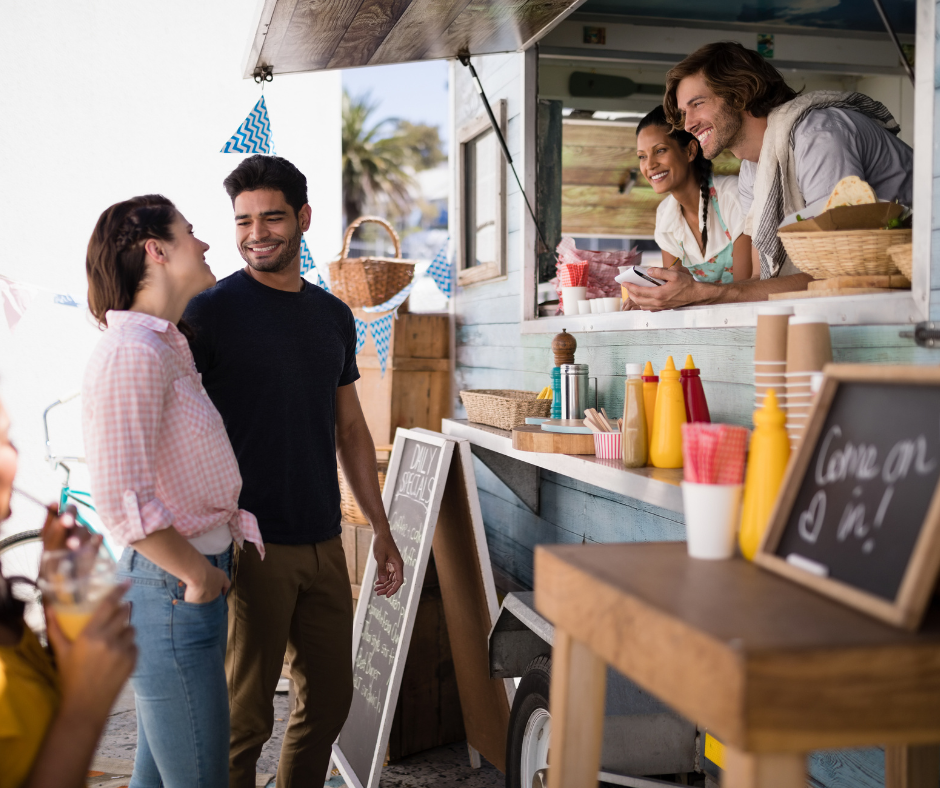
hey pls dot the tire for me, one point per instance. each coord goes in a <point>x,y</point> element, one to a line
<point>19,557</point>
<point>529,725</point>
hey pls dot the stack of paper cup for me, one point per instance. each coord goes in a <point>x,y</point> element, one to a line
<point>770,353</point>
<point>809,349</point>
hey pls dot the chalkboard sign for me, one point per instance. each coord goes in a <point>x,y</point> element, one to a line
<point>382,628</point>
<point>858,516</point>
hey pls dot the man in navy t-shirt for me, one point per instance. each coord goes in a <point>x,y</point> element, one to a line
<point>278,358</point>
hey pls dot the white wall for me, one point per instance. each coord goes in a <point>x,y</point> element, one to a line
<point>106,100</point>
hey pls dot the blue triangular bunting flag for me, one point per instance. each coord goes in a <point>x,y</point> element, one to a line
<point>381,331</point>
<point>254,135</point>
<point>306,259</point>
<point>307,264</point>
<point>441,270</point>
<point>361,327</point>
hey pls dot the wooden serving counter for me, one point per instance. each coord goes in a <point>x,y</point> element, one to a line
<point>773,669</point>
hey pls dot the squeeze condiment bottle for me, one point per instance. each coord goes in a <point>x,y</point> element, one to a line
<point>766,463</point>
<point>634,432</point>
<point>696,408</point>
<point>650,384</point>
<point>668,418</point>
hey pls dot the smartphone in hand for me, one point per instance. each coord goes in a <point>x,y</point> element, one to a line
<point>636,276</point>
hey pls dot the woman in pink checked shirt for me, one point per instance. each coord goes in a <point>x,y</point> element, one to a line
<point>166,484</point>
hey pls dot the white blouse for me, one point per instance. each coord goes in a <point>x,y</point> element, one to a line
<point>672,228</point>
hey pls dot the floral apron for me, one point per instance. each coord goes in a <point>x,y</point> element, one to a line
<point>720,268</point>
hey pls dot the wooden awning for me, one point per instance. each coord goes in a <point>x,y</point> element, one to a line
<point>315,35</point>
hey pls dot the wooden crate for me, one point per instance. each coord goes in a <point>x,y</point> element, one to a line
<point>415,390</point>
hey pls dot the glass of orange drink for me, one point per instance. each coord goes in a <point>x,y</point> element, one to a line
<point>73,583</point>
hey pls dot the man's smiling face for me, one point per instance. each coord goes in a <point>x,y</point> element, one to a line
<point>715,125</point>
<point>267,230</point>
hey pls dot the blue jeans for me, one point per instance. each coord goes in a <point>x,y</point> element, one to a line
<point>179,682</point>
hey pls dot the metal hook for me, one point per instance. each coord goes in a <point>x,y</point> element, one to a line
<point>264,74</point>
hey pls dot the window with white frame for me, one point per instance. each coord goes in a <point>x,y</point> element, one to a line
<point>481,196</point>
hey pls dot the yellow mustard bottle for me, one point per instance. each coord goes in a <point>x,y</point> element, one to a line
<point>668,418</point>
<point>650,385</point>
<point>766,464</point>
<point>633,434</point>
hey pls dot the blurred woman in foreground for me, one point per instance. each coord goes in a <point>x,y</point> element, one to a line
<point>52,714</point>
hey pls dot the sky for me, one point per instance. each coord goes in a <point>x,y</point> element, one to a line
<point>413,91</point>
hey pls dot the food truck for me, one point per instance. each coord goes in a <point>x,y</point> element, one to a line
<point>565,82</point>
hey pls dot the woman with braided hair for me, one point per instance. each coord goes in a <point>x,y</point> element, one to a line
<point>699,223</point>
<point>166,484</point>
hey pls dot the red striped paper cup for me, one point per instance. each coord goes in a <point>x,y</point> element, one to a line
<point>608,446</point>
<point>573,274</point>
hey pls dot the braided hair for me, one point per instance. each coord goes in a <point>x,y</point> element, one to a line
<point>701,167</point>
<point>116,262</point>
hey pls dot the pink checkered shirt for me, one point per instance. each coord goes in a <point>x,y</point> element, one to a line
<point>157,450</point>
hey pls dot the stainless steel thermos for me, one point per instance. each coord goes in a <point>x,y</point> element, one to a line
<point>574,390</point>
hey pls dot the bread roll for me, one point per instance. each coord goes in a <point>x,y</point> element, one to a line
<point>851,191</point>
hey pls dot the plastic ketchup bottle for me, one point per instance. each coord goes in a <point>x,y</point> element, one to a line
<point>696,407</point>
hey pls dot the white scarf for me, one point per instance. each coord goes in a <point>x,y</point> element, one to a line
<point>776,190</point>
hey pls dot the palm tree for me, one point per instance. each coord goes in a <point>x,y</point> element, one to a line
<point>377,160</point>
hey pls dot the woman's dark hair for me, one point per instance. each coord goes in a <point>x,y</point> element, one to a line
<point>740,76</point>
<point>268,172</point>
<point>116,260</point>
<point>701,167</point>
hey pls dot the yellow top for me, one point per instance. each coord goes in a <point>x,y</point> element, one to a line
<point>669,372</point>
<point>29,699</point>
<point>770,414</point>
<point>689,363</point>
<point>648,369</point>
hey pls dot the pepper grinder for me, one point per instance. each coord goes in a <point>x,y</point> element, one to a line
<point>563,347</point>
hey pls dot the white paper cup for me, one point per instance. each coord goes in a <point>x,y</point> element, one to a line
<point>711,518</point>
<point>612,304</point>
<point>570,296</point>
<point>584,307</point>
<point>595,305</point>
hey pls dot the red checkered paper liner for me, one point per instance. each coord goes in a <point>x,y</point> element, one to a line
<point>608,446</point>
<point>714,453</point>
<point>573,274</point>
<point>602,267</point>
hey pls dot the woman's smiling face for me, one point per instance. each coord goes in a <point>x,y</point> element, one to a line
<point>663,161</point>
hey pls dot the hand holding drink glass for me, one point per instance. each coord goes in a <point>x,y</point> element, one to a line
<point>74,580</point>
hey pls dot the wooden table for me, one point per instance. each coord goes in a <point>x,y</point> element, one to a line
<point>771,668</point>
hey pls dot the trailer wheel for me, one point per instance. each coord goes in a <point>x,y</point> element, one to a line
<point>530,726</point>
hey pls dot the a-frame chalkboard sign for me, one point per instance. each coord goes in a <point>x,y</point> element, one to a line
<point>431,498</point>
<point>858,514</point>
<point>382,626</point>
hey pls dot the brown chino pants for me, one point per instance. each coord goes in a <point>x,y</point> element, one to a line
<point>298,599</point>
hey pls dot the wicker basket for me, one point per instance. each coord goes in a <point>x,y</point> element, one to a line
<point>903,256</point>
<point>369,281</point>
<point>843,252</point>
<point>503,408</point>
<point>347,501</point>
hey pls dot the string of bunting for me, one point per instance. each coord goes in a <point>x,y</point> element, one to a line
<point>17,297</point>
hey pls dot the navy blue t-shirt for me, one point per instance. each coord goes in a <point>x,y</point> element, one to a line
<point>271,361</point>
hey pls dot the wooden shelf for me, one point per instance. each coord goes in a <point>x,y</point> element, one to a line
<point>654,486</point>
